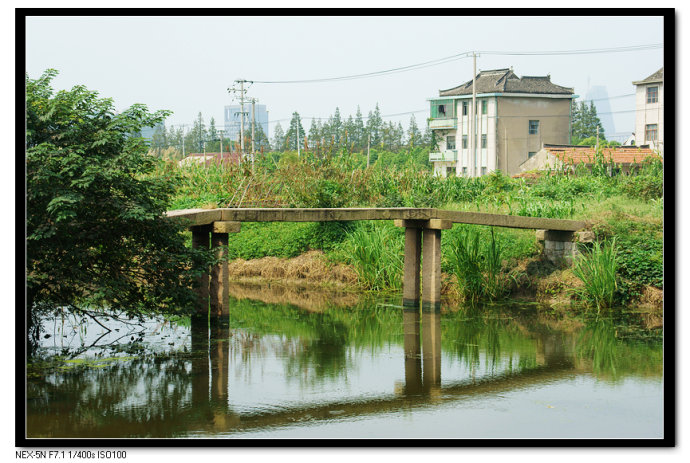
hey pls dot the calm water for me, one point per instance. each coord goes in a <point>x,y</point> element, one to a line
<point>369,370</point>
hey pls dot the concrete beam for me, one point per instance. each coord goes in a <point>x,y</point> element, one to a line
<point>435,224</point>
<point>509,221</point>
<point>226,227</point>
<point>195,217</point>
<point>431,269</point>
<point>208,216</point>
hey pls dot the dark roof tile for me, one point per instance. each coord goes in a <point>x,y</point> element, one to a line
<point>506,81</point>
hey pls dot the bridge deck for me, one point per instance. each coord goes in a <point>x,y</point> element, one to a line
<point>196,217</point>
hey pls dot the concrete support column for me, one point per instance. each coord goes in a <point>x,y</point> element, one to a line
<point>431,348</point>
<point>413,254</point>
<point>431,269</point>
<point>220,280</point>
<point>201,239</point>
<point>413,351</point>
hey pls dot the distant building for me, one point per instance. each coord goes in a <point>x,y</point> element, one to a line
<point>649,111</point>
<point>600,97</point>
<point>515,116</point>
<point>147,132</point>
<point>232,119</point>
<point>560,156</point>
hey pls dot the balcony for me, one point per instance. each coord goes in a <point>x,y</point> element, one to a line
<point>447,155</point>
<point>450,123</point>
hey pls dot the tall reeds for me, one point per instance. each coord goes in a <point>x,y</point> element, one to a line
<point>597,269</point>
<point>477,266</point>
<point>377,256</point>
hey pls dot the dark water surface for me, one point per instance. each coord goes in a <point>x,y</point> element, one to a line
<point>366,371</point>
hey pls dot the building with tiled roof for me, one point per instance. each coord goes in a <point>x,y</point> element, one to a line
<point>558,156</point>
<point>514,117</point>
<point>649,111</point>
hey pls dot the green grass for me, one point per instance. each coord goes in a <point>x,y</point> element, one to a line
<point>597,269</point>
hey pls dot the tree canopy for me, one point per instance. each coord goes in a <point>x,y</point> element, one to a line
<point>96,231</point>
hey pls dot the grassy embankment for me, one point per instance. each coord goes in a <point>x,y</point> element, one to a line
<point>368,255</point>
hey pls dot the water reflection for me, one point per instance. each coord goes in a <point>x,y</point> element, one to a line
<point>277,366</point>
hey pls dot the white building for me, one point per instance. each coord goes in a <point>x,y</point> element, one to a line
<point>649,111</point>
<point>514,117</point>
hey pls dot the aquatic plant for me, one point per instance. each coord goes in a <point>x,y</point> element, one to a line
<point>597,269</point>
<point>477,267</point>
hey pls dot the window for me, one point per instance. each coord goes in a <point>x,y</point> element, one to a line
<point>650,132</point>
<point>450,142</point>
<point>483,140</point>
<point>485,106</point>
<point>652,94</point>
<point>533,127</point>
<point>442,109</point>
<point>531,153</point>
<point>450,171</point>
<point>483,170</point>
<point>464,142</point>
<point>464,108</point>
<point>464,171</point>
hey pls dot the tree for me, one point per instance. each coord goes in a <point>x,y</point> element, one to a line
<point>278,137</point>
<point>212,131</point>
<point>414,135</point>
<point>585,122</point>
<point>295,133</point>
<point>198,134</point>
<point>96,232</point>
<point>358,132</point>
<point>375,126</point>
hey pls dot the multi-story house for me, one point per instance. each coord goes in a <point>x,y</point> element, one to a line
<point>649,111</point>
<point>514,117</point>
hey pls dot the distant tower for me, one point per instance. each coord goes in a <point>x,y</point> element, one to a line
<point>600,95</point>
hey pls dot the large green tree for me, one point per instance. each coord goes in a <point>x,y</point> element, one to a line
<point>96,235</point>
<point>585,122</point>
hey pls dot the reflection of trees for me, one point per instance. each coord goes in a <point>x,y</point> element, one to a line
<point>469,333</point>
<point>613,358</point>
<point>130,398</point>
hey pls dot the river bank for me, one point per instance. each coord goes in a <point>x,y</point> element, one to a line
<point>297,280</point>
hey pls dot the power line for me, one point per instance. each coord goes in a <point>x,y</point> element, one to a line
<point>463,55</point>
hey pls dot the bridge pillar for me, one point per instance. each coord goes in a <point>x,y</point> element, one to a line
<point>412,265</point>
<point>426,235</point>
<point>201,239</point>
<point>560,247</point>
<point>431,270</point>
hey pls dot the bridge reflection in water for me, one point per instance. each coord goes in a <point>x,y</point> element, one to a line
<point>422,379</point>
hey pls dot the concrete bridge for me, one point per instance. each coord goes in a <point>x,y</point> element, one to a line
<point>211,227</point>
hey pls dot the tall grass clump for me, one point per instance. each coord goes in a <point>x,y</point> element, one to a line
<point>597,270</point>
<point>477,267</point>
<point>376,252</point>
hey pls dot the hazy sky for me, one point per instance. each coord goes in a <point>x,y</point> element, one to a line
<point>185,64</point>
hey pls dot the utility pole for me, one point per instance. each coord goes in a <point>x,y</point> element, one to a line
<point>368,144</point>
<point>297,138</point>
<point>241,92</point>
<point>597,147</point>
<point>254,100</point>
<point>473,124</point>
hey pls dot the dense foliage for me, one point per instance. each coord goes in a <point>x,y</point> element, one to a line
<point>96,234</point>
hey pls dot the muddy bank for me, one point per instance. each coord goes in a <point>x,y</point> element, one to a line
<point>531,280</point>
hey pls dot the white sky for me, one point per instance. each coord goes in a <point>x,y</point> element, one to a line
<point>185,64</point>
